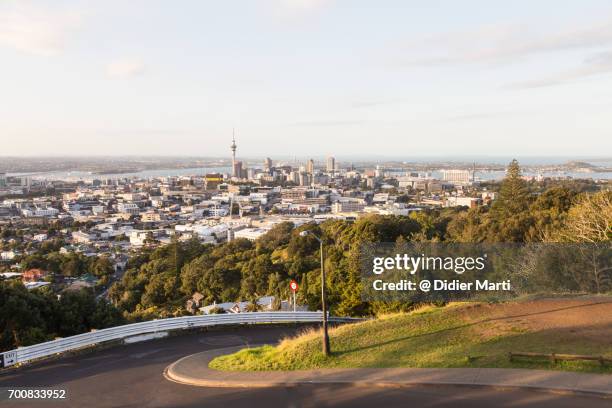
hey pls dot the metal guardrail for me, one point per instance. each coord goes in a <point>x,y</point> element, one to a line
<point>49,348</point>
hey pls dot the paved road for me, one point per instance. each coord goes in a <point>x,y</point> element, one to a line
<point>131,376</point>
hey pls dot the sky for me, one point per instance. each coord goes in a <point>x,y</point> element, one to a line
<point>402,78</point>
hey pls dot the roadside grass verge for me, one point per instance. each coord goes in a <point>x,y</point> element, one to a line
<point>457,335</point>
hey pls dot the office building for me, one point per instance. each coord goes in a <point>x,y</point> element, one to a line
<point>267,165</point>
<point>237,169</point>
<point>331,165</point>
<point>310,166</point>
<point>305,179</point>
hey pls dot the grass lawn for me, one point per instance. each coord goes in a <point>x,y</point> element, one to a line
<point>458,335</point>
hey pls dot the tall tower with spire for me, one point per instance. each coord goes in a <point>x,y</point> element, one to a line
<point>233,147</point>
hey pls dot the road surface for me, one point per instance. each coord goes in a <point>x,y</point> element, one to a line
<point>132,376</point>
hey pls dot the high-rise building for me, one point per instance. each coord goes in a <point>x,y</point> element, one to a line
<point>380,171</point>
<point>237,170</point>
<point>294,177</point>
<point>305,179</point>
<point>2,179</point>
<point>267,165</point>
<point>310,166</point>
<point>250,173</point>
<point>331,164</point>
<point>26,182</point>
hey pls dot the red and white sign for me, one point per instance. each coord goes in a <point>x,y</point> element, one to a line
<point>293,285</point>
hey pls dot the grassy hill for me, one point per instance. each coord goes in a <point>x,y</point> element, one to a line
<point>458,335</point>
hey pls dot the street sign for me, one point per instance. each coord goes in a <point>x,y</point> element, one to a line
<point>8,359</point>
<point>294,287</point>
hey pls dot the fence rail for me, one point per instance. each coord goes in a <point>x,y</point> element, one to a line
<point>553,357</point>
<point>49,348</point>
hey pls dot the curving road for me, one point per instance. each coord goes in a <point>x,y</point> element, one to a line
<point>131,376</point>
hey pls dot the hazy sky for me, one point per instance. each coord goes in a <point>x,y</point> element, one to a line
<point>299,77</point>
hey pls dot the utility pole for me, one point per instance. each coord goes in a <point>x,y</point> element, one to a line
<point>326,346</point>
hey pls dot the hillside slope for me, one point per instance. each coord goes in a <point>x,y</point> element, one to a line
<point>447,336</point>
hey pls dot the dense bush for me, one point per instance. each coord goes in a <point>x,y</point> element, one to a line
<point>29,317</point>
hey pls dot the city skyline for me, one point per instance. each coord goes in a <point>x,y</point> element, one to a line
<point>306,78</point>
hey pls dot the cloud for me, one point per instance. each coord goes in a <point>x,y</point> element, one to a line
<point>326,123</point>
<point>35,30</point>
<point>480,116</point>
<point>290,9</point>
<point>506,41</point>
<point>125,68</point>
<point>376,102</point>
<point>600,64</point>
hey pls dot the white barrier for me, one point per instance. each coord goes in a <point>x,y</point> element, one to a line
<point>36,351</point>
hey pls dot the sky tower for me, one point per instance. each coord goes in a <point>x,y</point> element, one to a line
<point>233,147</point>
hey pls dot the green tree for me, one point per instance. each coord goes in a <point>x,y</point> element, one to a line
<point>102,266</point>
<point>513,194</point>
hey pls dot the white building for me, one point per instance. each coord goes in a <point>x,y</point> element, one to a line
<point>97,209</point>
<point>348,205</point>
<point>488,195</point>
<point>138,237</point>
<point>204,232</point>
<point>7,255</point>
<point>380,198</point>
<point>457,176</point>
<point>39,237</point>
<point>128,208</point>
<point>82,237</point>
<point>40,212</point>
<point>250,233</point>
<point>259,197</point>
<point>390,210</point>
<point>218,212</point>
<point>462,201</point>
